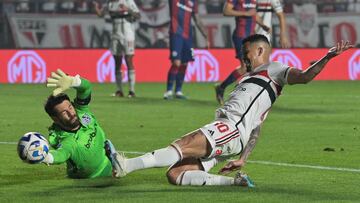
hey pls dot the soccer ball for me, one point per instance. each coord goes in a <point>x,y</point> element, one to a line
<point>32,147</point>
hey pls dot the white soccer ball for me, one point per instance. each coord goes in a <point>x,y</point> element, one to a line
<point>32,147</point>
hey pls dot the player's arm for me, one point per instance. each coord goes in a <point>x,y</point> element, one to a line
<point>284,42</point>
<point>278,8</point>
<point>237,164</point>
<point>228,10</point>
<point>296,76</point>
<point>134,11</point>
<point>83,92</point>
<point>62,82</point>
<point>199,24</point>
<point>99,11</point>
<point>61,154</point>
<point>260,22</point>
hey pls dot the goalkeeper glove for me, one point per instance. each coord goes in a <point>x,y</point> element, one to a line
<point>49,159</point>
<point>62,82</point>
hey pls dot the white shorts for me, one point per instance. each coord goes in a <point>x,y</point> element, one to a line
<point>122,47</point>
<point>224,139</point>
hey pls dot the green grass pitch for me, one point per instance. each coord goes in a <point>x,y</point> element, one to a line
<point>304,121</point>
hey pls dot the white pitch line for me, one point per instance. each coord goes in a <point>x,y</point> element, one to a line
<point>8,142</point>
<point>306,166</point>
<point>261,162</point>
<point>285,164</point>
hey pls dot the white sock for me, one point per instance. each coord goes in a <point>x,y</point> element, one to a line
<point>158,158</point>
<point>199,178</point>
<point>131,77</point>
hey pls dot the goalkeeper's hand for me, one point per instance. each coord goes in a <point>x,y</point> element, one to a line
<point>49,159</point>
<point>62,82</point>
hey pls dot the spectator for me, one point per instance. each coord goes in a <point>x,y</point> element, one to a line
<point>48,6</point>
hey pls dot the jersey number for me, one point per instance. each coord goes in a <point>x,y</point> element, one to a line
<point>222,127</point>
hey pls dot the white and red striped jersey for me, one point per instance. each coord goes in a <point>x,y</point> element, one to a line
<point>252,98</point>
<point>119,11</point>
<point>265,8</point>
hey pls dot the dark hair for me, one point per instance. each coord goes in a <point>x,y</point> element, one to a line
<point>256,38</point>
<point>52,101</point>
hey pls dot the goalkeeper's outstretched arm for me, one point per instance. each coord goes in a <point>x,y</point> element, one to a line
<point>62,82</point>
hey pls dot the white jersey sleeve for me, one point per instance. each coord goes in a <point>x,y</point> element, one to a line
<point>133,7</point>
<point>277,6</point>
<point>278,72</point>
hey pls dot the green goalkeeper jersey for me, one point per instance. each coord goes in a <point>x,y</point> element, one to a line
<point>83,150</point>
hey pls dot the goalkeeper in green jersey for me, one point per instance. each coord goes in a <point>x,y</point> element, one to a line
<point>75,134</point>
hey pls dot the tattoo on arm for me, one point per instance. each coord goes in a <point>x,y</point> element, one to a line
<point>316,68</point>
<point>255,134</point>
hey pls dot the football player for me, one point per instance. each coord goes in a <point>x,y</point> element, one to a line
<point>76,135</point>
<point>236,127</point>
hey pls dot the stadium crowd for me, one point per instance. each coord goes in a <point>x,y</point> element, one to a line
<point>205,7</point>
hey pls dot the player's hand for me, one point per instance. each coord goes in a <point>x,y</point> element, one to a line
<point>266,28</point>
<point>284,42</point>
<point>61,81</point>
<point>49,159</point>
<point>232,166</point>
<point>339,48</point>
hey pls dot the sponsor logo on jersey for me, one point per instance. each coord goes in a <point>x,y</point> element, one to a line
<point>91,137</point>
<point>205,67</point>
<point>354,66</point>
<point>248,5</point>
<point>286,57</point>
<point>182,6</point>
<point>105,68</point>
<point>86,119</point>
<point>26,67</point>
<point>218,152</point>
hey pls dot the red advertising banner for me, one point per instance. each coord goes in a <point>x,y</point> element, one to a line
<point>151,65</point>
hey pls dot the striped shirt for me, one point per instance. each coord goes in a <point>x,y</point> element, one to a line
<point>181,12</point>
<point>245,26</point>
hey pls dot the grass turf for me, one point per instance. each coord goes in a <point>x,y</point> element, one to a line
<point>304,121</point>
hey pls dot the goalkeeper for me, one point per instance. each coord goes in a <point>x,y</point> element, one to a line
<point>75,134</point>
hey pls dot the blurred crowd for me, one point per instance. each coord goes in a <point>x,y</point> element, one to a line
<point>205,6</point>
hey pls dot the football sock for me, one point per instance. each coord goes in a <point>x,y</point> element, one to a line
<point>230,79</point>
<point>171,77</point>
<point>180,78</point>
<point>118,75</point>
<point>131,76</point>
<point>199,178</point>
<point>158,158</point>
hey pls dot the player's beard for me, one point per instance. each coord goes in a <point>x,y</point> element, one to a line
<point>72,124</point>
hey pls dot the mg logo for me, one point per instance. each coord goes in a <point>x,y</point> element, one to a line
<point>354,66</point>
<point>26,67</point>
<point>205,68</point>
<point>105,68</point>
<point>286,57</point>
